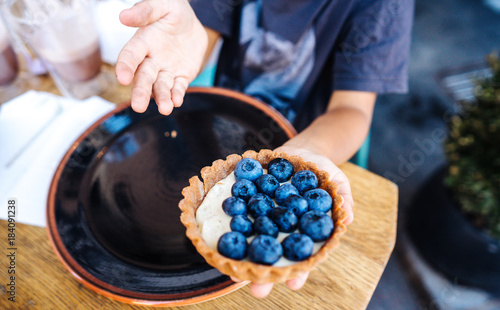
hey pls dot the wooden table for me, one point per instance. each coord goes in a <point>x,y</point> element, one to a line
<point>345,281</point>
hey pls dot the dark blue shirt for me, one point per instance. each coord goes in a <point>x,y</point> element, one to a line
<point>293,54</point>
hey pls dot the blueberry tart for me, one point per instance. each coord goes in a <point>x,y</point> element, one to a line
<point>263,217</point>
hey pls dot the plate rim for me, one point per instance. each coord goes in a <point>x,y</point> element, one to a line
<point>99,286</point>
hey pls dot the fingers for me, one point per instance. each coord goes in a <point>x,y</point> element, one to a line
<point>348,206</point>
<point>179,90</point>
<point>258,290</point>
<point>169,92</point>
<point>144,13</point>
<point>145,76</point>
<point>235,279</point>
<point>345,191</point>
<point>297,283</point>
<point>132,54</point>
<point>336,175</point>
<point>163,92</point>
<point>261,290</point>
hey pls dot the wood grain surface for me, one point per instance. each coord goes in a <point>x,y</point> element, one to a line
<point>345,281</point>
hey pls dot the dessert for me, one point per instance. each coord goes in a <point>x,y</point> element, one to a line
<point>277,236</point>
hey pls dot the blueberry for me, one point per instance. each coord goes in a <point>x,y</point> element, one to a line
<point>318,199</point>
<point>242,224</point>
<point>304,180</point>
<point>267,184</point>
<point>297,247</point>
<point>233,244</point>
<point>297,204</point>
<point>316,225</point>
<point>248,169</point>
<point>234,206</point>
<point>264,250</point>
<point>284,191</point>
<point>285,219</point>
<point>260,204</point>
<point>281,168</point>
<point>263,225</point>
<point>243,189</point>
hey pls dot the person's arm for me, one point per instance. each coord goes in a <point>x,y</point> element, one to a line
<point>335,136</point>
<point>341,130</point>
<point>213,36</point>
<point>332,138</point>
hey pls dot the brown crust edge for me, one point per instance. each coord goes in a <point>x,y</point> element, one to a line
<point>244,270</point>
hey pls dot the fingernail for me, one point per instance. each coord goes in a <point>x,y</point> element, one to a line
<point>138,106</point>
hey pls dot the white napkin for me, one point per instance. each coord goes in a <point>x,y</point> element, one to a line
<point>112,33</point>
<point>36,130</point>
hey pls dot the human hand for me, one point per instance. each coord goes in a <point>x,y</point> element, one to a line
<point>262,290</point>
<point>165,54</point>
<point>337,176</point>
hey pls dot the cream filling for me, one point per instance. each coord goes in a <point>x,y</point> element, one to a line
<point>214,222</point>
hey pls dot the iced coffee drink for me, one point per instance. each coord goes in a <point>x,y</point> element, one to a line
<point>8,59</point>
<point>76,63</point>
<point>64,35</point>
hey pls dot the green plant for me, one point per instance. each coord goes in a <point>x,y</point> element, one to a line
<point>473,153</point>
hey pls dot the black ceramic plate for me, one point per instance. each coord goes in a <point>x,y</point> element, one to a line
<point>113,214</point>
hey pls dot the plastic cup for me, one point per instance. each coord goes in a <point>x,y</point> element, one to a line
<point>64,35</point>
<point>8,60</point>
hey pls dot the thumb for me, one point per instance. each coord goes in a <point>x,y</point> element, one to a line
<point>345,191</point>
<point>145,12</point>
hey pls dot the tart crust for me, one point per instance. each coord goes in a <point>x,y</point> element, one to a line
<point>246,270</point>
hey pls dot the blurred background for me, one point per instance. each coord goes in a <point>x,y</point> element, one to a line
<point>447,35</point>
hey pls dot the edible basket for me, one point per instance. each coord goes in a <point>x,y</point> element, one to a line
<point>246,270</point>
